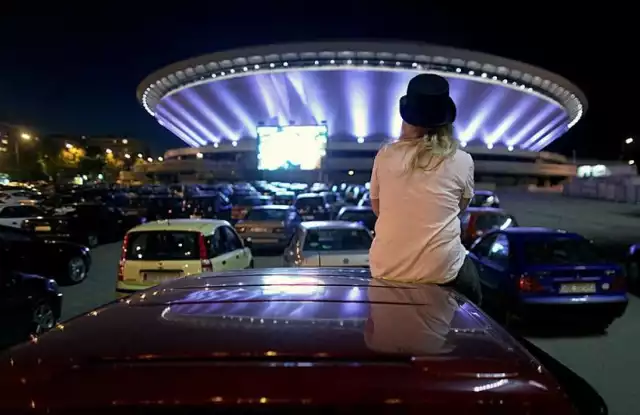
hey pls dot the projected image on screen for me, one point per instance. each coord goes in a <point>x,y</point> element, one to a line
<point>294,147</point>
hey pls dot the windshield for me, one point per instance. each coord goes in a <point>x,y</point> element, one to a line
<point>337,240</point>
<point>247,200</point>
<point>560,251</point>
<point>267,214</point>
<point>368,217</point>
<point>304,202</point>
<point>162,246</point>
<point>490,221</point>
<point>481,200</point>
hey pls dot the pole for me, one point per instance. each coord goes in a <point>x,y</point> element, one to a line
<point>17,150</point>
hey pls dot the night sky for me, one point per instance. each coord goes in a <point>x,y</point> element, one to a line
<point>75,69</point>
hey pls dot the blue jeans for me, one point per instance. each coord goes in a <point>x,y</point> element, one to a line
<point>467,282</point>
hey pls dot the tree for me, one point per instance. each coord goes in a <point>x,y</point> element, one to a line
<point>55,161</point>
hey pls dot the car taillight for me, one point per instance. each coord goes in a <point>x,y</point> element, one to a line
<point>123,257</point>
<point>619,283</point>
<point>529,284</point>
<point>205,262</point>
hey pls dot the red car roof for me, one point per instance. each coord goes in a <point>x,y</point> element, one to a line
<point>325,337</point>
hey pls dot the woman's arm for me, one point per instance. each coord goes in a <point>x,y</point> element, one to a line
<point>374,188</point>
<point>467,193</point>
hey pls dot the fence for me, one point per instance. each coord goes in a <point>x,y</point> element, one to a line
<point>621,191</point>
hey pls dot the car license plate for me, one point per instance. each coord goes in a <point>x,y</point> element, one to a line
<point>43,228</point>
<point>578,288</point>
<point>158,277</point>
<point>307,217</point>
<point>259,230</point>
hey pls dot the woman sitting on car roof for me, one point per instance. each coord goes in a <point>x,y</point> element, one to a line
<point>419,186</point>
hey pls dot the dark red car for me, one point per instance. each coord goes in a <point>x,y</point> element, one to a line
<point>476,221</point>
<point>287,341</point>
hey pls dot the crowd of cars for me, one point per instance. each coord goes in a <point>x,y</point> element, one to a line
<point>323,292</point>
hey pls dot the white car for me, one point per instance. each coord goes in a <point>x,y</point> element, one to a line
<point>18,197</point>
<point>13,215</point>
<point>329,244</point>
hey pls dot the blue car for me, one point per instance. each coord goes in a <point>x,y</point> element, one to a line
<point>547,274</point>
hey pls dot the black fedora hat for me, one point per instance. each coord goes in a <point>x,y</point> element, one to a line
<point>427,103</point>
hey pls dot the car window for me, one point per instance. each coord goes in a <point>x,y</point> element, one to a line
<point>232,240</point>
<point>267,214</point>
<point>337,240</point>
<point>499,251</point>
<point>555,250</point>
<point>28,211</point>
<point>488,221</point>
<point>8,234</point>
<point>309,202</point>
<point>217,243</point>
<point>9,212</point>
<point>482,247</point>
<point>163,246</point>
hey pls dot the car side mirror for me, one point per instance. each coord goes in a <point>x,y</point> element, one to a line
<point>248,243</point>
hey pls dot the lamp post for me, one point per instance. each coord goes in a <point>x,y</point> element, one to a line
<point>25,137</point>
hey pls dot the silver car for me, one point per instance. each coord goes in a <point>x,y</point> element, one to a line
<point>329,244</point>
<point>269,226</point>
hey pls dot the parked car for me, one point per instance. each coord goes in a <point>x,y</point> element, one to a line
<point>29,304</point>
<point>312,206</point>
<point>270,226</point>
<point>329,244</point>
<point>310,340</point>
<point>243,202</point>
<point>88,224</point>
<point>484,198</point>
<point>164,250</point>
<point>65,262</point>
<point>547,274</point>
<point>15,215</point>
<point>475,222</point>
<point>360,214</point>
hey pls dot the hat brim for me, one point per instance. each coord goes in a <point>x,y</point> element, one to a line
<point>428,115</point>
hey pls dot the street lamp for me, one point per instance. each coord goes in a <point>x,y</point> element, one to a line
<point>632,162</point>
<point>149,159</point>
<point>68,146</point>
<point>629,140</point>
<point>139,155</point>
<point>160,159</point>
<point>127,156</point>
<point>25,137</point>
<point>108,151</point>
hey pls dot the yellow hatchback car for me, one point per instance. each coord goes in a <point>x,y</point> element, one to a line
<point>158,251</point>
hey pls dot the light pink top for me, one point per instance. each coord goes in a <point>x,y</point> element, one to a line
<point>418,231</point>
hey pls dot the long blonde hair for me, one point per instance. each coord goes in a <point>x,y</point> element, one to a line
<point>427,148</point>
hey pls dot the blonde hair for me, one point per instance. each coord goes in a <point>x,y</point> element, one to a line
<point>428,148</point>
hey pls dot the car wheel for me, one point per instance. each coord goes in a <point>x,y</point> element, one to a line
<point>76,271</point>
<point>92,241</point>
<point>42,318</point>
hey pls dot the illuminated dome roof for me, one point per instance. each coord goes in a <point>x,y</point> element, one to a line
<point>354,89</point>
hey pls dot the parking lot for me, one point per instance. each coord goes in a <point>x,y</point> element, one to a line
<point>606,361</point>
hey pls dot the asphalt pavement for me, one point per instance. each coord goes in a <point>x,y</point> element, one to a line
<point>606,361</point>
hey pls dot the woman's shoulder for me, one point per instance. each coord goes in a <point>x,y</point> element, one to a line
<point>462,156</point>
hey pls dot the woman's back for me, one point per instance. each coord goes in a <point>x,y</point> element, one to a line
<point>418,231</point>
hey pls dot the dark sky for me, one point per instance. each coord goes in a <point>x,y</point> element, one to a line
<point>75,69</point>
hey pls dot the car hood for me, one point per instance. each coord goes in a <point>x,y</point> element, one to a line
<point>278,319</point>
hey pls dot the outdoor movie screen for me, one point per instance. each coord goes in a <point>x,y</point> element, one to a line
<point>293,147</point>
